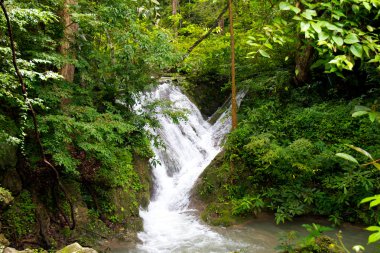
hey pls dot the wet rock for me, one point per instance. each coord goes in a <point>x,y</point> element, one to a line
<point>12,181</point>
<point>76,248</point>
<point>13,250</point>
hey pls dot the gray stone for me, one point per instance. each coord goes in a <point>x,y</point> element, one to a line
<point>76,248</point>
<point>13,250</point>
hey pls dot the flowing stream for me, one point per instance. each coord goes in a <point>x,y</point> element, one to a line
<point>189,146</point>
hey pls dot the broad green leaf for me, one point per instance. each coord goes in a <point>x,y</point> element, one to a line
<point>361,151</point>
<point>295,9</point>
<point>359,113</point>
<point>366,50</point>
<point>372,116</point>
<point>316,27</point>
<point>304,26</point>
<point>285,6</point>
<point>263,53</point>
<point>374,237</point>
<point>355,8</point>
<point>374,202</point>
<point>332,27</point>
<point>308,14</point>
<point>367,6</point>
<point>338,40</point>
<point>368,199</point>
<point>370,28</point>
<point>357,50</point>
<point>377,165</point>
<point>373,228</point>
<point>351,39</point>
<point>323,36</point>
<point>347,157</point>
<point>268,45</point>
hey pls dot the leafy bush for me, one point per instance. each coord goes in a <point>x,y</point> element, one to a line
<point>20,216</point>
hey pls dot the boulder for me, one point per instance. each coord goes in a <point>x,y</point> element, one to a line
<point>76,248</point>
<point>13,250</point>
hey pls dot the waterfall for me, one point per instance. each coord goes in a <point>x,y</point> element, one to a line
<point>189,146</point>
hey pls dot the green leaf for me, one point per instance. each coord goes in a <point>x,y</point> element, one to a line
<point>374,202</point>
<point>351,39</point>
<point>370,28</point>
<point>367,6</point>
<point>374,237</point>
<point>304,26</point>
<point>372,116</point>
<point>268,45</point>
<point>359,113</point>
<point>316,27</point>
<point>377,165</point>
<point>323,36</point>
<point>357,50</point>
<point>373,228</point>
<point>285,6</point>
<point>338,40</point>
<point>263,53</point>
<point>368,199</point>
<point>308,14</point>
<point>347,157</point>
<point>361,151</point>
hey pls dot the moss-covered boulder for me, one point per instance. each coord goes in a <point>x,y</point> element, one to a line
<point>76,248</point>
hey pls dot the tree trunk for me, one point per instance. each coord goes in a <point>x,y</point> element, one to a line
<point>233,84</point>
<point>68,70</point>
<point>175,4</point>
<point>304,59</point>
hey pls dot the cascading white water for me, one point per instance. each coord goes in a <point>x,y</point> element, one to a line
<point>169,225</point>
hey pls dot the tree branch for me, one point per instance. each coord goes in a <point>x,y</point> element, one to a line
<point>216,23</point>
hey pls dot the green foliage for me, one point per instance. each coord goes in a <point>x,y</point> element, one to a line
<point>284,151</point>
<point>342,32</point>
<point>315,241</point>
<point>5,196</point>
<point>20,216</point>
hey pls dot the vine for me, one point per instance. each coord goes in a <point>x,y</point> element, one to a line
<point>34,118</point>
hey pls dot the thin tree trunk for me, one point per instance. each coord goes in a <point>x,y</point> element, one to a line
<point>175,4</point>
<point>233,84</point>
<point>68,70</point>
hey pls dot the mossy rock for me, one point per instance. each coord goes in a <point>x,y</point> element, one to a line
<point>76,248</point>
<point>218,214</point>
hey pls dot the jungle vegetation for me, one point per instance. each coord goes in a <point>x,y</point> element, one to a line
<point>69,137</point>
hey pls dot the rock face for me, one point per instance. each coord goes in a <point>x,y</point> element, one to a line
<point>12,250</point>
<point>72,248</point>
<point>76,248</point>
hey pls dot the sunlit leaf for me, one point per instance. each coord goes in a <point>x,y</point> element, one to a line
<point>347,157</point>
<point>374,237</point>
<point>351,39</point>
<point>263,53</point>
<point>357,50</point>
<point>359,113</point>
<point>361,151</point>
<point>338,40</point>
